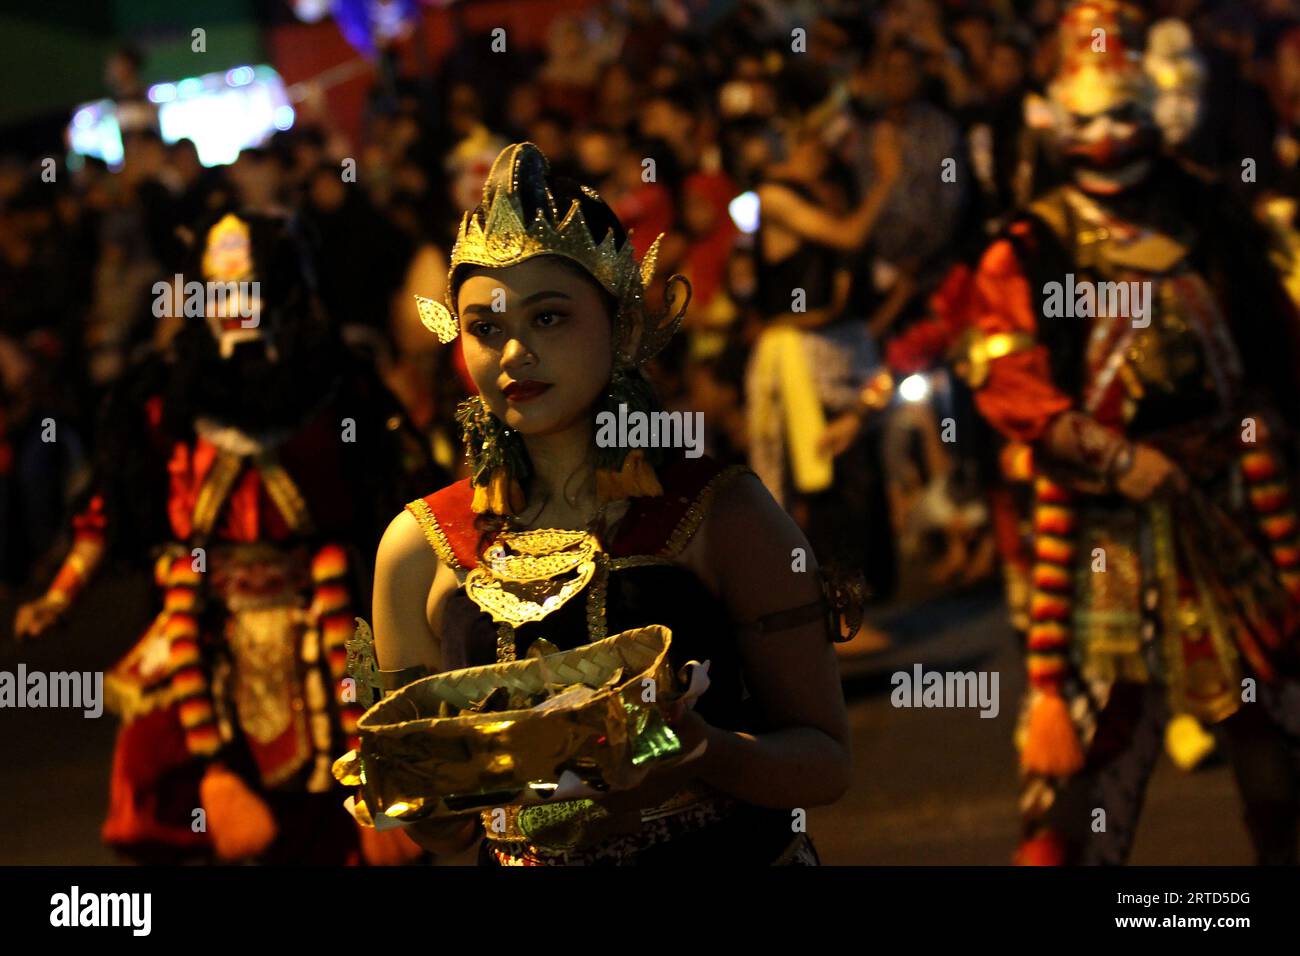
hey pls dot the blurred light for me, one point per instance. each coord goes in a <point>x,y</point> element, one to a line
<point>310,11</point>
<point>914,388</point>
<point>744,211</point>
<point>162,92</point>
<point>94,132</point>
<point>224,113</point>
<point>239,76</point>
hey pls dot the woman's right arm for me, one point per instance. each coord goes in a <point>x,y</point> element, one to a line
<point>405,568</point>
<point>408,580</point>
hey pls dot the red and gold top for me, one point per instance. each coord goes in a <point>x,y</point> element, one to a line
<point>661,524</point>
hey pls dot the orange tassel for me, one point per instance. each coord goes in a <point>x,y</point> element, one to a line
<point>637,478</point>
<point>1051,745</point>
<point>239,822</point>
<point>502,495</point>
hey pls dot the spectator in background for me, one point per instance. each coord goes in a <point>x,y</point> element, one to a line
<point>196,190</point>
<point>135,113</point>
<point>710,234</point>
<point>568,77</point>
<point>924,207</point>
<point>616,96</point>
<point>523,109</point>
<point>807,365</point>
<point>144,175</point>
<point>671,118</point>
<point>258,181</point>
<point>1002,150</point>
<point>638,194</point>
<point>360,259</point>
<point>1239,120</point>
<point>552,131</point>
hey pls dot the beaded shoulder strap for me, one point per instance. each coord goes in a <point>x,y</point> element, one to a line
<point>698,510</point>
<point>447,521</point>
<point>663,525</point>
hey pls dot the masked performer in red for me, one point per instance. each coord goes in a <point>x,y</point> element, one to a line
<point>552,313</point>
<point>1166,551</point>
<point>255,460</point>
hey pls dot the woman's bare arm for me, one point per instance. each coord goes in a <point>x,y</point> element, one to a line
<point>751,547</point>
<point>405,567</point>
<point>408,579</point>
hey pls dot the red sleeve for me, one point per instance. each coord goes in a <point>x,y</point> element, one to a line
<point>924,344</point>
<point>918,348</point>
<point>1018,398</point>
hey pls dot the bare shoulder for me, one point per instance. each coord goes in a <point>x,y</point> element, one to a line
<point>752,552</point>
<point>407,562</point>
<point>744,515</point>
<point>404,543</point>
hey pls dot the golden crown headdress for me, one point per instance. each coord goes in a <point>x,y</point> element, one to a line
<point>497,236</point>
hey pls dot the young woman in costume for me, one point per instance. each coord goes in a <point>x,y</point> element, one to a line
<point>550,307</point>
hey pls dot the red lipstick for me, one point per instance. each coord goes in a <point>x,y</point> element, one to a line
<point>524,391</point>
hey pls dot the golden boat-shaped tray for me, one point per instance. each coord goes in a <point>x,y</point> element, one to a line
<point>414,764</point>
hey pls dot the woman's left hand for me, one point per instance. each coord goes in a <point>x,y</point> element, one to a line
<point>658,785</point>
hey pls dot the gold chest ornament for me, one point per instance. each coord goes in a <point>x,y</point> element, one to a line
<point>526,575</point>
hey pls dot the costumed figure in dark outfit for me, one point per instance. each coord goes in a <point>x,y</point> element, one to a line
<point>1129,330</point>
<point>254,461</point>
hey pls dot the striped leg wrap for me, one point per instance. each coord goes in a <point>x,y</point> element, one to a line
<point>189,680</point>
<point>1275,513</point>
<point>332,609</point>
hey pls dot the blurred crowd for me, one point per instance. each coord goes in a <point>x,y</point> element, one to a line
<point>934,108</point>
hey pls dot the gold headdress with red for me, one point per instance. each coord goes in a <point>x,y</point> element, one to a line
<point>1100,64</point>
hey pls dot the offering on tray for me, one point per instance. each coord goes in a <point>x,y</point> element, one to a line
<point>549,727</point>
